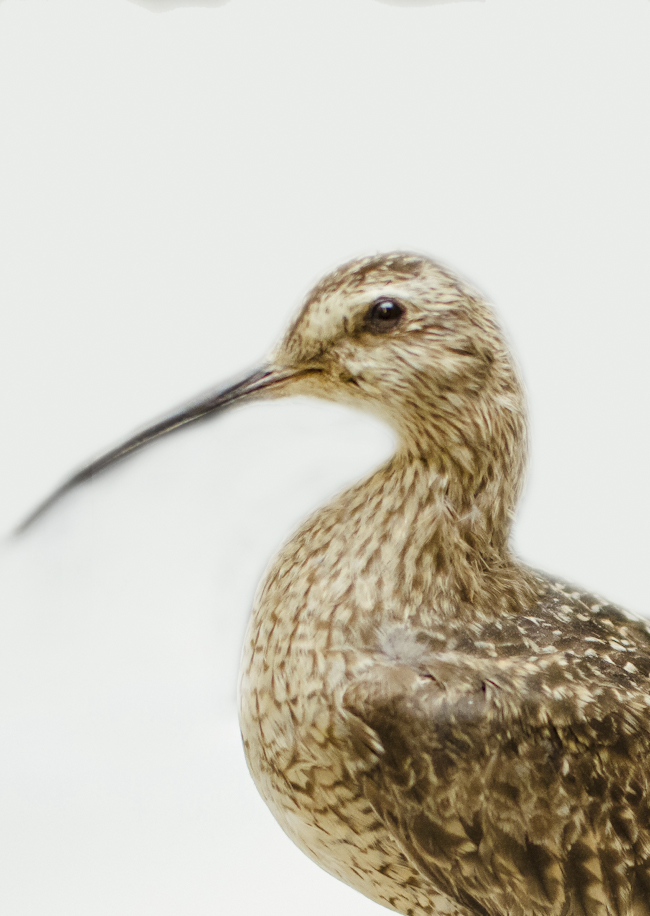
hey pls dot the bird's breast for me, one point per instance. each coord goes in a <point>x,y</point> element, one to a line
<point>308,766</point>
<point>303,646</point>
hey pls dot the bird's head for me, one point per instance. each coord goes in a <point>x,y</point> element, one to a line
<point>400,336</point>
<point>404,338</point>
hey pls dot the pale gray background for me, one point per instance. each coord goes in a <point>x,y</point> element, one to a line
<point>171,185</point>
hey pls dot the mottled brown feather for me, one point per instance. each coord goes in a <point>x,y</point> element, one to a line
<point>514,774</point>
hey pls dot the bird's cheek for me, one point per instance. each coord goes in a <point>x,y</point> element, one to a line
<point>357,377</point>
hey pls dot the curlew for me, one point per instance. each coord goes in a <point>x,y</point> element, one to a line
<point>443,728</point>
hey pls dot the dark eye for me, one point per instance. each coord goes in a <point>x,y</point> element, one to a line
<point>383,315</point>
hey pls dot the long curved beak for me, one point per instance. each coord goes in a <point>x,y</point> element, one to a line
<point>207,405</point>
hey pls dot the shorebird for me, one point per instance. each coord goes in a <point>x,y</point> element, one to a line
<point>443,728</point>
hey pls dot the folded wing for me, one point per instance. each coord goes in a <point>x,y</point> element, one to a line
<point>514,786</point>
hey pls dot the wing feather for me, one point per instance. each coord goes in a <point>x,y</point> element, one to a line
<point>515,787</point>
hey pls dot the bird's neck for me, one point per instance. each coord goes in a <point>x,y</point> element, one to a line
<point>421,527</point>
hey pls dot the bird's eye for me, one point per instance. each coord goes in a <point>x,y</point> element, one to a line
<point>383,315</point>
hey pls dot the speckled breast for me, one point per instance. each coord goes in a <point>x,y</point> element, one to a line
<point>302,755</point>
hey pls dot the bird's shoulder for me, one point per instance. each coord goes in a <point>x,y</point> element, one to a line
<point>566,643</point>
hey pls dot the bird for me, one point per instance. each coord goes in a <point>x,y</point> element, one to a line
<point>444,728</point>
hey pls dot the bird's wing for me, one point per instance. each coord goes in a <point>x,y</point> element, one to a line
<point>514,787</point>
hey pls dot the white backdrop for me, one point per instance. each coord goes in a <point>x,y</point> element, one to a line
<point>171,185</point>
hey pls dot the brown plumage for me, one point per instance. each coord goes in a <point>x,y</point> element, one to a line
<point>441,727</point>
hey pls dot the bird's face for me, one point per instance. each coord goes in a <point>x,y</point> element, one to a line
<point>401,337</point>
